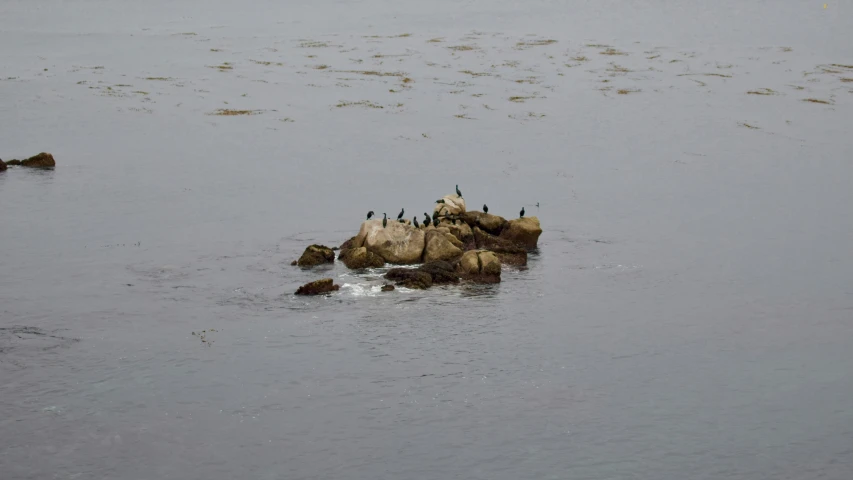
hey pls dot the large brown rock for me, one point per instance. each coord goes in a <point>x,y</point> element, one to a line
<point>42,160</point>
<point>523,231</point>
<point>441,272</point>
<point>398,243</point>
<point>316,255</point>
<point>453,205</point>
<point>410,278</point>
<point>13,162</point>
<point>357,258</point>
<point>439,247</point>
<point>463,232</point>
<point>480,266</point>
<point>318,287</point>
<point>485,221</point>
<point>508,252</point>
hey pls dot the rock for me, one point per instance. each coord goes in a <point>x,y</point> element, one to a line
<point>347,245</point>
<point>2,165</point>
<point>42,160</point>
<point>486,221</point>
<point>318,287</point>
<point>13,162</point>
<point>441,272</point>
<point>463,233</point>
<point>316,255</point>
<point>357,258</point>
<point>453,205</point>
<point>480,266</point>
<point>387,288</point>
<point>293,262</point>
<point>398,243</point>
<point>438,247</point>
<point>508,252</point>
<point>410,278</point>
<point>523,231</point>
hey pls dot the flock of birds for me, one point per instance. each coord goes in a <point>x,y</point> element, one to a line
<point>435,215</point>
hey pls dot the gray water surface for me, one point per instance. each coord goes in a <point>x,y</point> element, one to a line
<point>687,315</point>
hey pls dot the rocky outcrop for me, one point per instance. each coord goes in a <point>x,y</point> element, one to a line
<point>316,255</point>
<point>358,258</point>
<point>42,160</point>
<point>318,287</point>
<point>2,165</point>
<point>480,266</point>
<point>13,162</point>
<point>441,272</point>
<point>439,247</point>
<point>409,278</point>
<point>398,243</point>
<point>453,205</point>
<point>485,221</point>
<point>523,231</point>
<point>508,252</point>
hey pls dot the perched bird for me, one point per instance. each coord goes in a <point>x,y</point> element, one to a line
<point>426,220</point>
<point>521,215</point>
<point>384,220</point>
<point>415,221</point>
<point>402,212</point>
<point>537,204</point>
<point>458,192</point>
<point>485,208</point>
<point>440,200</point>
<point>369,214</point>
<point>401,220</point>
<point>435,218</point>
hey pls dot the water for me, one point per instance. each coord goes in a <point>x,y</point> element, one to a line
<point>686,316</point>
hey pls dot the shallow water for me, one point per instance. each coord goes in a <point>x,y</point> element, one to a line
<point>687,314</point>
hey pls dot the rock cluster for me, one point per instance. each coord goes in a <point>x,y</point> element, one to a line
<point>42,160</point>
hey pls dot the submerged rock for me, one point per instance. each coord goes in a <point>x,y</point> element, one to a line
<point>523,231</point>
<point>358,258</point>
<point>318,287</point>
<point>439,247</point>
<point>409,278</point>
<point>398,243</point>
<point>508,252</point>
<point>480,266</point>
<point>387,287</point>
<point>316,255</point>
<point>42,160</point>
<point>453,205</point>
<point>487,222</point>
<point>441,272</point>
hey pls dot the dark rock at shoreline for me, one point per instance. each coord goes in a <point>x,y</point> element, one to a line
<point>410,278</point>
<point>487,222</point>
<point>13,162</point>
<point>387,288</point>
<point>318,287</point>
<point>42,160</point>
<point>358,258</point>
<point>508,252</point>
<point>316,255</point>
<point>441,272</point>
<point>2,165</point>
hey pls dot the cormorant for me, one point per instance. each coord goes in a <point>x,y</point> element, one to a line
<point>415,221</point>
<point>485,208</point>
<point>369,214</point>
<point>537,204</point>
<point>435,218</point>
<point>458,192</point>
<point>440,200</point>
<point>402,212</point>
<point>384,220</point>
<point>521,215</point>
<point>426,219</point>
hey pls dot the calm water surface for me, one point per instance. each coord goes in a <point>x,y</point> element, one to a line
<point>687,316</point>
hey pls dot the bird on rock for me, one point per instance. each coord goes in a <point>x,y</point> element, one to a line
<point>384,220</point>
<point>458,192</point>
<point>521,214</point>
<point>415,221</point>
<point>402,212</point>
<point>426,219</point>
<point>369,214</point>
<point>440,200</point>
<point>485,208</point>
<point>435,218</point>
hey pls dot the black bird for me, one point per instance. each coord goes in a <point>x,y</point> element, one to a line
<point>458,192</point>
<point>435,218</point>
<point>537,204</point>
<point>369,214</point>
<point>402,212</point>
<point>485,208</point>
<point>521,215</point>
<point>440,200</point>
<point>415,221</point>
<point>384,220</point>
<point>426,219</point>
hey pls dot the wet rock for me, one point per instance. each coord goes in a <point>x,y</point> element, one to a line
<point>463,233</point>
<point>439,247</point>
<point>42,160</point>
<point>347,245</point>
<point>409,278</point>
<point>13,162</point>
<point>441,272</point>
<point>398,243</point>
<point>508,252</point>
<point>358,258</point>
<point>316,255</point>
<point>318,287</point>
<point>523,231</point>
<point>387,288</point>
<point>2,165</point>
<point>453,205</point>
<point>480,266</point>
<point>485,221</point>
<point>293,262</point>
